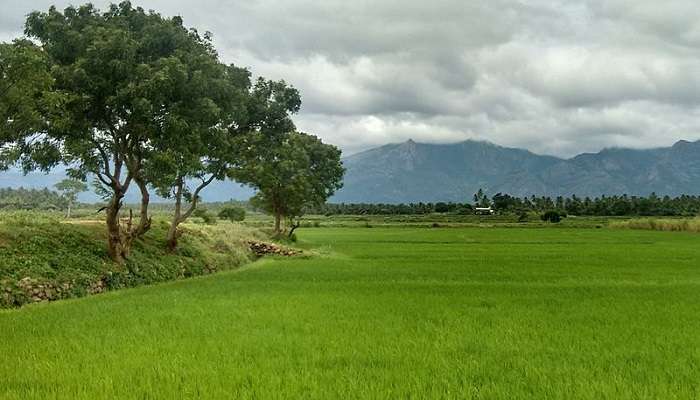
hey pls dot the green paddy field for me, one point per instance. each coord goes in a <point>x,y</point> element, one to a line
<point>386,313</point>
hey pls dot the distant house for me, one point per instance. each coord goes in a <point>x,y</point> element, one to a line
<point>484,211</point>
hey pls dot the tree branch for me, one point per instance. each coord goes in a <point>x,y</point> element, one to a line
<point>103,154</point>
<point>195,197</point>
<point>104,180</point>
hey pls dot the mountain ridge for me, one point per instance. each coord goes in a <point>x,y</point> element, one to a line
<point>414,172</point>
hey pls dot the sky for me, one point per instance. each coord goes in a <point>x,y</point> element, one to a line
<point>554,77</point>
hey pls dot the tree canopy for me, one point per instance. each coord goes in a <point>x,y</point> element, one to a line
<point>24,97</point>
<point>134,82</point>
<point>70,189</point>
<point>290,173</point>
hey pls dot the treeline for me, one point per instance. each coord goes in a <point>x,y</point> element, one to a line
<point>623,205</point>
<point>391,209</point>
<point>32,199</point>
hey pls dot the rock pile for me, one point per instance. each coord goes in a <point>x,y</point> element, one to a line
<point>30,290</point>
<point>40,291</point>
<point>261,248</point>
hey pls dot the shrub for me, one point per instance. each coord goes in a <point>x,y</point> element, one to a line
<point>464,209</point>
<point>204,214</point>
<point>551,216</point>
<point>232,214</point>
<point>522,217</point>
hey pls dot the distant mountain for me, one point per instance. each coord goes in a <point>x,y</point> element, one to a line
<point>414,172</point>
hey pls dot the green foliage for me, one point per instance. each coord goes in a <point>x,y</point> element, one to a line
<point>206,149</point>
<point>613,206</point>
<point>205,215</point>
<point>624,205</point>
<point>130,77</point>
<point>481,199</point>
<point>441,207</point>
<point>551,216</point>
<point>24,96</point>
<point>31,199</point>
<point>233,214</point>
<point>70,189</point>
<point>522,216</point>
<point>290,172</point>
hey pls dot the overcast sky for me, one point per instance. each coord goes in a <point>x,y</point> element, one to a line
<point>555,77</point>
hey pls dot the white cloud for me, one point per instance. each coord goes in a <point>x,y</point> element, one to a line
<point>556,77</point>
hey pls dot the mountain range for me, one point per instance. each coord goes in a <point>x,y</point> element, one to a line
<point>414,172</point>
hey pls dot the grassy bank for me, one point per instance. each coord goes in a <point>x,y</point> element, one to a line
<point>45,257</point>
<point>386,313</point>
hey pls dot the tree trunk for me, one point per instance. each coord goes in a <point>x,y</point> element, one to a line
<point>278,223</point>
<point>171,238</point>
<point>68,212</point>
<point>179,217</point>
<point>144,220</point>
<point>118,239</point>
<point>115,240</point>
<point>293,227</point>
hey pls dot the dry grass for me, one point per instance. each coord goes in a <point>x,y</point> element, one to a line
<point>654,224</point>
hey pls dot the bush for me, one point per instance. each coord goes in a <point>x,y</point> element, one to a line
<point>464,209</point>
<point>204,214</point>
<point>232,214</point>
<point>551,216</point>
<point>522,217</point>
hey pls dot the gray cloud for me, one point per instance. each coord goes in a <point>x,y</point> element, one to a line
<point>556,77</point>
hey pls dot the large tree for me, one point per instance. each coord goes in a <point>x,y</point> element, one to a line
<point>206,147</point>
<point>194,144</point>
<point>70,189</point>
<point>290,173</point>
<point>121,72</point>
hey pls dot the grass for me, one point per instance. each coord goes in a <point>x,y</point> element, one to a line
<point>43,256</point>
<point>386,313</point>
<point>661,224</point>
<point>441,219</point>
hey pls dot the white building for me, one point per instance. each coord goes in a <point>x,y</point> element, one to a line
<point>484,211</point>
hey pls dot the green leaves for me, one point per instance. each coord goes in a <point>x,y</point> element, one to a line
<point>24,96</point>
<point>290,172</point>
